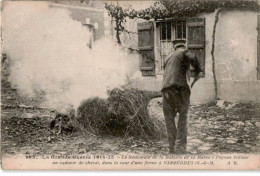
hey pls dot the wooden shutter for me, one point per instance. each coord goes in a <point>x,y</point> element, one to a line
<point>258,47</point>
<point>146,48</point>
<point>196,38</point>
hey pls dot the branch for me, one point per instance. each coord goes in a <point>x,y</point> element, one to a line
<point>136,50</point>
<point>129,32</point>
<point>131,49</point>
<point>212,52</point>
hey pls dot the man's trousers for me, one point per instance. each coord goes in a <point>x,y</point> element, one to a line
<point>176,100</point>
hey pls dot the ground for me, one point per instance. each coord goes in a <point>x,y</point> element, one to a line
<point>222,128</point>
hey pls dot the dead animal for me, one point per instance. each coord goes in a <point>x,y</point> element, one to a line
<point>62,123</point>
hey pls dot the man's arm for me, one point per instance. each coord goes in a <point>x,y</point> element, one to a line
<point>198,73</point>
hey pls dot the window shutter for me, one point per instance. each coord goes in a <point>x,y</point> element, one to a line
<point>258,47</point>
<point>196,38</point>
<point>146,47</point>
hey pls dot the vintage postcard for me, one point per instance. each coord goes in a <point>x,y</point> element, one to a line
<point>128,85</point>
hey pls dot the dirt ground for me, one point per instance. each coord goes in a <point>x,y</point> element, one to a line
<point>221,128</point>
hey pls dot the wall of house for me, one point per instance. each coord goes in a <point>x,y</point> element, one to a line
<point>236,57</point>
<point>81,13</point>
<point>94,16</point>
<point>236,60</point>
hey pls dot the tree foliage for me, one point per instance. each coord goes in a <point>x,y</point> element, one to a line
<point>169,8</point>
<point>192,7</point>
<point>164,9</point>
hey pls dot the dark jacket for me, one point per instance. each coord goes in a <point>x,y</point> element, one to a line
<point>176,66</point>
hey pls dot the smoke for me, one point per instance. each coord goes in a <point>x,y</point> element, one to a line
<point>48,52</point>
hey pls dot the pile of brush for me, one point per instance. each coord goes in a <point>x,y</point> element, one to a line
<point>124,113</point>
<point>92,115</point>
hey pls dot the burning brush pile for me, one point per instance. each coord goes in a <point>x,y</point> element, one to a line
<point>123,113</point>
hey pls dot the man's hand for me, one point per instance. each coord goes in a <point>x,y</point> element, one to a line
<point>196,78</point>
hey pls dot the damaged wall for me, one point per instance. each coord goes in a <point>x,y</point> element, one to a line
<point>236,57</point>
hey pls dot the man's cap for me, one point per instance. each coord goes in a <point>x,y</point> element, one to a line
<point>179,43</point>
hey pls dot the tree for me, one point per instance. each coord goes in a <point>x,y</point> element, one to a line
<point>212,52</point>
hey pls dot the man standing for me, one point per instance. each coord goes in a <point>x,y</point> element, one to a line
<point>176,95</point>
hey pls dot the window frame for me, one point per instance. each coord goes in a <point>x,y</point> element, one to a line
<point>159,65</point>
<point>191,22</point>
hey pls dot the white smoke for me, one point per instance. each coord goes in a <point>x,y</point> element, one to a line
<point>48,51</point>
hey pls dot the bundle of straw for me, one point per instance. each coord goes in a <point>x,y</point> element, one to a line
<point>130,106</point>
<point>124,112</point>
<point>92,115</point>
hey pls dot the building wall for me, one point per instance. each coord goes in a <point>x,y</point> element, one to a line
<point>81,13</point>
<point>236,60</point>
<point>94,16</point>
<point>236,57</point>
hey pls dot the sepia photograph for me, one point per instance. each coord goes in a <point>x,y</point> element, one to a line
<point>130,85</point>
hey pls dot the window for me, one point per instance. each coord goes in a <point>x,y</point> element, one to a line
<point>155,42</point>
<point>165,32</point>
<point>169,31</point>
<point>180,29</point>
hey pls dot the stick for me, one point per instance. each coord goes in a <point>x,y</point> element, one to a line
<point>194,81</point>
